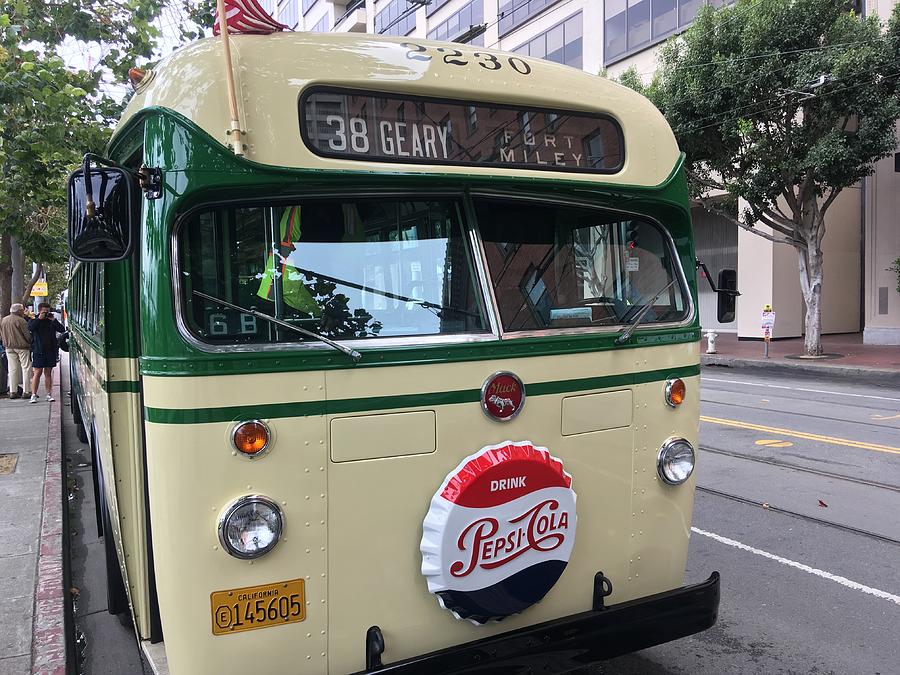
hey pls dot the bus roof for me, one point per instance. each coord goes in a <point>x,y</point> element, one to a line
<point>271,71</point>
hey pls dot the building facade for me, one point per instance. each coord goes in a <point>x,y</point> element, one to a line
<point>860,292</point>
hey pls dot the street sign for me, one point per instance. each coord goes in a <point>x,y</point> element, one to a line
<point>768,325</point>
<point>39,290</point>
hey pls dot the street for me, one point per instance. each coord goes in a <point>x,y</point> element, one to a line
<point>797,503</point>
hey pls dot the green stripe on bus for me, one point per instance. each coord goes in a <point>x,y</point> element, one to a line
<point>378,403</point>
<point>121,387</point>
<point>256,363</point>
<point>110,387</point>
<point>204,415</point>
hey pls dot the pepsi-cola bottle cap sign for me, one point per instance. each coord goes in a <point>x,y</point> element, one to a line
<point>499,531</point>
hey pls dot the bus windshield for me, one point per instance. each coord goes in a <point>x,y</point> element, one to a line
<point>404,268</point>
<point>555,266</point>
<point>343,269</point>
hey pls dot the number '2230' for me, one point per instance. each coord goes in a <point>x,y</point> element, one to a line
<point>454,57</point>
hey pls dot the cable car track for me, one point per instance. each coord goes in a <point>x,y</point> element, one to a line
<point>802,516</point>
<point>809,415</point>
<point>798,467</point>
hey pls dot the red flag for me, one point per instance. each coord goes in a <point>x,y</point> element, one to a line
<point>246,16</point>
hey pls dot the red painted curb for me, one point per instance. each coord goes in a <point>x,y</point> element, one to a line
<point>48,639</point>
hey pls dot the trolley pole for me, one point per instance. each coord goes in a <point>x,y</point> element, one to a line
<point>237,143</point>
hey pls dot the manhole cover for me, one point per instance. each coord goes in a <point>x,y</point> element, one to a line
<point>8,464</point>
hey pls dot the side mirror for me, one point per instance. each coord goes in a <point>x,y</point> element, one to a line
<point>727,301</point>
<point>103,214</point>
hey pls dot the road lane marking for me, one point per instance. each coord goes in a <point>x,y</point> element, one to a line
<point>843,581</point>
<point>886,417</point>
<point>774,443</point>
<point>802,434</point>
<point>814,391</point>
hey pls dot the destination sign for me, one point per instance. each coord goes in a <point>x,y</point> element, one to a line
<point>390,128</point>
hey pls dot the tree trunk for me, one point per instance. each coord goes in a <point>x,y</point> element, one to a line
<point>18,268</point>
<point>811,270</point>
<point>5,273</point>
<point>35,276</point>
<point>811,230</point>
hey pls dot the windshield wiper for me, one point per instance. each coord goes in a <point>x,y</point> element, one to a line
<point>352,353</point>
<point>625,335</point>
<point>433,307</point>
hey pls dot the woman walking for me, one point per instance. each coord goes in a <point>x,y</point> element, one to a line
<point>44,349</point>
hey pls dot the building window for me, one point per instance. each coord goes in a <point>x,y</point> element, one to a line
<point>516,12</point>
<point>349,8</point>
<point>631,25</point>
<point>638,23</point>
<point>471,119</point>
<point>687,11</point>
<point>308,5</point>
<point>614,28</point>
<point>665,18</point>
<point>322,25</point>
<point>287,13</point>
<point>459,23</point>
<point>560,44</point>
<point>268,5</point>
<point>434,6</point>
<point>397,18</point>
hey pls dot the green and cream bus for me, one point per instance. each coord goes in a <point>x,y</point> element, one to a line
<point>398,375</point>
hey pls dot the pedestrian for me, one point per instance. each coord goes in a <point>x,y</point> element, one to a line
<point>4,373</point>
<point>44,349</point>
<point>17,342</point>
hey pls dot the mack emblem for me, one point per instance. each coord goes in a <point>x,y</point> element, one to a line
<point>502,396</point>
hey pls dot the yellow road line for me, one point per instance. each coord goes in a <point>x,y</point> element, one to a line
<point>802,434</point>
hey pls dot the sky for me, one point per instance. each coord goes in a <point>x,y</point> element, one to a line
<point>82,56</point>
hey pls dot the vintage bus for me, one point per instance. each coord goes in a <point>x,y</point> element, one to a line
<point>400,377</point>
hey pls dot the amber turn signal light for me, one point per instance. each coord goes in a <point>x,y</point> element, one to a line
<point>136,76</point>
<point>251,439</point>
<point>675,390</point>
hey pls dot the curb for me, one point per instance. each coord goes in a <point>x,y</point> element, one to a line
<point>873,375</point>
<point>48,638</point>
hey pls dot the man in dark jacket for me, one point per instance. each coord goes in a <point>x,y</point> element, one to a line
<point>44,349</point>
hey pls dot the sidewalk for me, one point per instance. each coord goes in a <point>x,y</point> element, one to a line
<point>850,357</point>
<point>32,634</point>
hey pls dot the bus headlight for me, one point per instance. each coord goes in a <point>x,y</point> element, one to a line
<point>675,462</point>
<point>250,527</point>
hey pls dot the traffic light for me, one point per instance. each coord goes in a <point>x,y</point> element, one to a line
<point>632,228</point>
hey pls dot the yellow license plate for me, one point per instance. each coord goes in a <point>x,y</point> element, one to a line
<point>255,607</point>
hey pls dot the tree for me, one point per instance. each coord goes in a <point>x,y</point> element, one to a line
<point>52,113</point>
<point>780,105</point>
